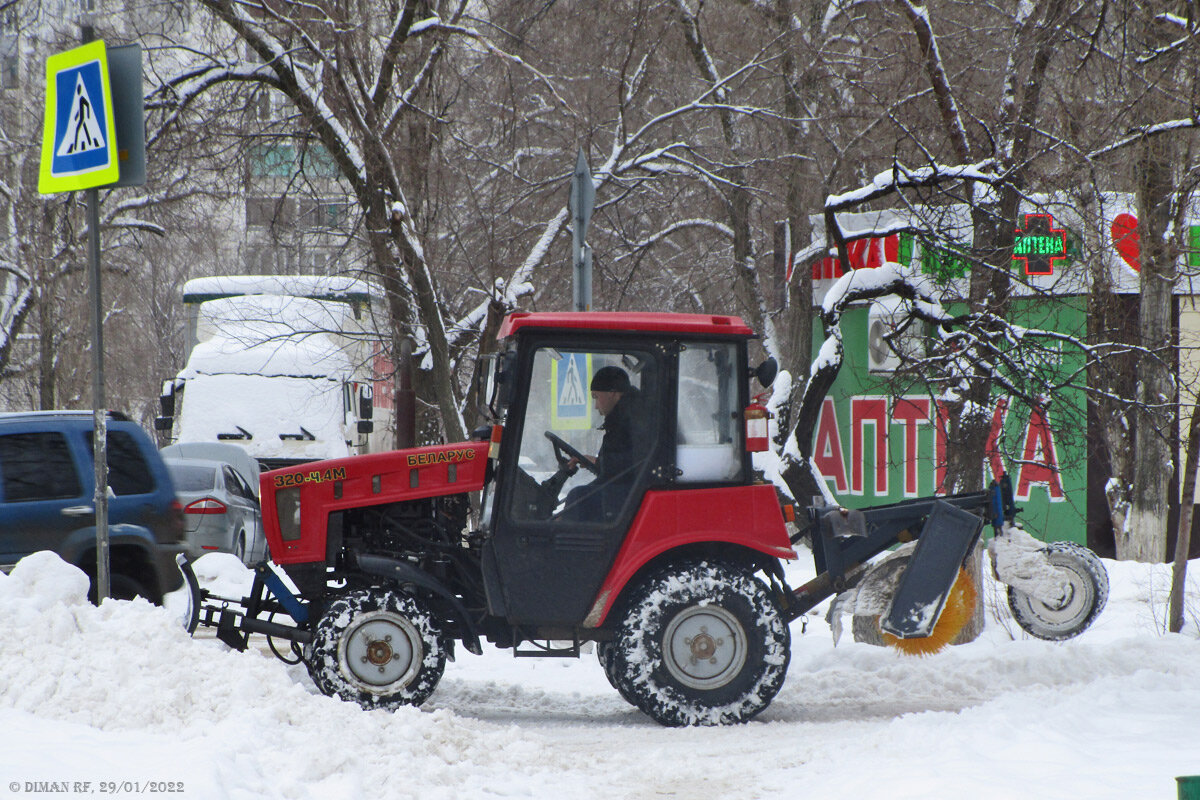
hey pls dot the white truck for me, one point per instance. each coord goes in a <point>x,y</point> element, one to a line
<point>291,368</point>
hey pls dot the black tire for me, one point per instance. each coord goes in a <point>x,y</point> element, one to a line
<point>1086,599</point>
<point>702,643</point>
<point>120,587</point>
<point>378,648</point>
<point>239,547</point>
<point>604,652</point>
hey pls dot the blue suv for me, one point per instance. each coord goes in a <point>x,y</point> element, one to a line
<point>47,480</point>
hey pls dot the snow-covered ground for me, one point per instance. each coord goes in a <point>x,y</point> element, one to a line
<point>119,696</point>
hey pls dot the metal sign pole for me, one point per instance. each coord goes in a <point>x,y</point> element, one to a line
<point>99,415</point>
<point>583,199</point>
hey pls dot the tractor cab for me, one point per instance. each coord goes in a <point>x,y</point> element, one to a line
<point>611,421</point>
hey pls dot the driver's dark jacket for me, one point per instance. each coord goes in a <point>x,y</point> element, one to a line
<point>624,439</point>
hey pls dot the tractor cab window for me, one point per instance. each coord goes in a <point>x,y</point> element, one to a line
<point>708,446</point>
<point>588,434</point>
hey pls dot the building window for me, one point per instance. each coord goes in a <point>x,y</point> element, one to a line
<point>324,214</point>
<point>9,71</point>
<point>270,211</point>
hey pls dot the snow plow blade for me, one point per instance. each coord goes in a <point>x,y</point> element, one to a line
<point>190,618</point>
<point>946,539</point>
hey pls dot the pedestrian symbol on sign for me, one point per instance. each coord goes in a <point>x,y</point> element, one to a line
<point>572,393</point>
<point>571,408</point>
<point>84,132</point>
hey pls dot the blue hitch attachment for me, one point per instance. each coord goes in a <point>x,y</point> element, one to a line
<point>236,619</point>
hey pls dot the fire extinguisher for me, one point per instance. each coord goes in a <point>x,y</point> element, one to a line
<point>757,433</point>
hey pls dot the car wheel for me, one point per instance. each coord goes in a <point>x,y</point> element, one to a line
<point>239,547</point>
<point>120,587</point>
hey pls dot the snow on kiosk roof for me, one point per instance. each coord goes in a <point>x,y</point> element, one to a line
<point>640,321</point>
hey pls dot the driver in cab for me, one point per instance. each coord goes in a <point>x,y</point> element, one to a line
<point>615,399</point>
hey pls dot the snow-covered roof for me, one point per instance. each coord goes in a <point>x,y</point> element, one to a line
<point>199,290</point>
<point>273,335</point>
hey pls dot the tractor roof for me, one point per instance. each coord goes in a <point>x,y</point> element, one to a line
<point>635,321</point>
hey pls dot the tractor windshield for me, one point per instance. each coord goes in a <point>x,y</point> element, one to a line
<point>589,421</point>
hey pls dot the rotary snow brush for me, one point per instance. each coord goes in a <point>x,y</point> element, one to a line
<point>935,597</point>
<point>956,614</point>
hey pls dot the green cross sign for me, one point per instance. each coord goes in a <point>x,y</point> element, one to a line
<point>1039,244</point>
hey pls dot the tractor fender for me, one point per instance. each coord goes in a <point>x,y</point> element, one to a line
<point>402,572</point>
<point>744,518</point>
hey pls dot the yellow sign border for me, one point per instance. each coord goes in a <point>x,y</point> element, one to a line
<point>49,183</point>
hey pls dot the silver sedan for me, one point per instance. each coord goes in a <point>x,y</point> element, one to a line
<point>221,513</point>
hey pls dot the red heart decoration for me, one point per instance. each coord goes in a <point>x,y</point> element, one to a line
<point>1125,239</point>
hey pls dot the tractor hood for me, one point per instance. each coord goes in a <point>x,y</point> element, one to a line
<point>297,501</point>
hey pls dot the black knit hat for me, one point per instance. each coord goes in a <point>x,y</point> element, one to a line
<point>610,379</point>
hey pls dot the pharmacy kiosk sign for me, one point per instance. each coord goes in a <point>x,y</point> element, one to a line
<point>79,147</point>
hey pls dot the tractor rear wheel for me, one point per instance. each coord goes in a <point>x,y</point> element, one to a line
<point>604,651</point>
<point>702,643</point>
<point>1086,593</point>
<point>377,648</point>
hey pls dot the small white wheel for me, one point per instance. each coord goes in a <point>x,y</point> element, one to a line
<point>1085,597</point>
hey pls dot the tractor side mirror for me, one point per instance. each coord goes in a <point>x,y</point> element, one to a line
<point>506,378</point>
<point>766,372</point>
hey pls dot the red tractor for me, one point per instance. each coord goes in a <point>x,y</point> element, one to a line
<point>652,537</point>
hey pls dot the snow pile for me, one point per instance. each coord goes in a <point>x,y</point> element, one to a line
<point>120,693</point>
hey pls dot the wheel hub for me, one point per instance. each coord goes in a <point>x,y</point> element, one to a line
<point>381,652</point>
<point>704,647</point>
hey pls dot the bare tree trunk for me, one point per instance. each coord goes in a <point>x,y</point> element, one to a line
<point>1144,537</point>
<point>1183,535</point>
<point>796,327</point>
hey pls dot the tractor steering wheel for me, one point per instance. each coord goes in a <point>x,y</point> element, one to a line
<point>563,453</point>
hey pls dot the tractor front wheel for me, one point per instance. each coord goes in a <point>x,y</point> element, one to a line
<point>377,648</point>
<point>700,644</point>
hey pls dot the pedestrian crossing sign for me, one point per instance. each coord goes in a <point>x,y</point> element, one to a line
<point>570,407</point>
<point>79,147</point>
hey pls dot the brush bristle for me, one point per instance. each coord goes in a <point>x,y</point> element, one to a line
<point>956,614</point>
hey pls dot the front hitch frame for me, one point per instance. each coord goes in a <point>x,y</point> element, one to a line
<point>236,618</point>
